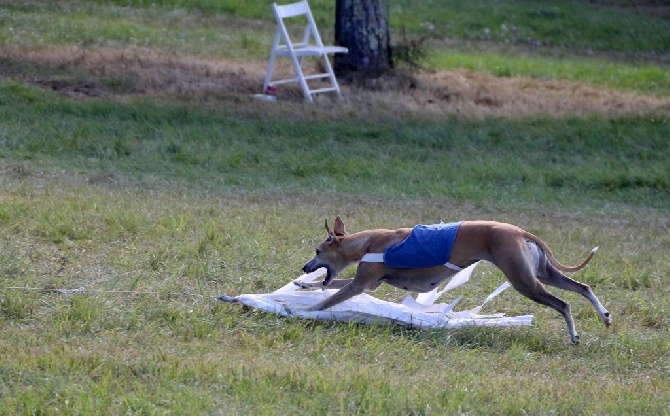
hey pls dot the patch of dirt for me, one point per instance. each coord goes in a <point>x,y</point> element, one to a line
<point>72,88</point>
<point>127,73</point>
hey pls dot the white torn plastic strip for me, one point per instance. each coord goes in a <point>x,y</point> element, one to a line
<point>421,312</point>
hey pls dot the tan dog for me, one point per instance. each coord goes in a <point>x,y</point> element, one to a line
<point>522,257</point>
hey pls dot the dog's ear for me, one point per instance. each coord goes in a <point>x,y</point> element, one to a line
<point>331,235</point>
<point>339,227</point>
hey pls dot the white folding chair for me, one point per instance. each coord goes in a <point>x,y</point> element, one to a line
<point>310,46</point>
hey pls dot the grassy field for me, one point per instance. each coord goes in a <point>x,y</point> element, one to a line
<point>134,166</point>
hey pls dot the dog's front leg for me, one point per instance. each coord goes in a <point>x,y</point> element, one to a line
<point>350,290</point>
<point>367,276</point>
<point>334,284</point>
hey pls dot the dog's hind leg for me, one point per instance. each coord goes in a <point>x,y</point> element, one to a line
<point>520,274</point>
<point>540,295</point>
<point>552,276</point>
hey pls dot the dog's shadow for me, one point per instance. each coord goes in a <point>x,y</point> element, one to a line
<point>498,339</point>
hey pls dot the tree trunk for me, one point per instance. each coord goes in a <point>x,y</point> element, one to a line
<point>363,27</point>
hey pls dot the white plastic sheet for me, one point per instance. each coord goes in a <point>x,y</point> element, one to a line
<point>421,312</point>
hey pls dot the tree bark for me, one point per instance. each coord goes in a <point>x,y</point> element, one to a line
<point>363,27</point>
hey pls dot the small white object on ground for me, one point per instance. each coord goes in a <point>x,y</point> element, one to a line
<point>265,97</point>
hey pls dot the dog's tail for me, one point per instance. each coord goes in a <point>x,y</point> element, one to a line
<point>553,260</point>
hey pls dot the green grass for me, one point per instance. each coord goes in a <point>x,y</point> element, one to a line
<point>176,199</point>
<point>649,79</point>
<point>184,354</point>
<point>179,201</point>
<point>576,25</point>
<point>604,26</point>
<point>86,24</point>
<point>620,161</point>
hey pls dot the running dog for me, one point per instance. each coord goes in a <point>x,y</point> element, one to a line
<point>419,259</point>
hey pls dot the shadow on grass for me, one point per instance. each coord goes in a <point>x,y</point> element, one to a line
<point>495,339</point>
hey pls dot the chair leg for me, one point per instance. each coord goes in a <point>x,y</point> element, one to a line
<point>297,66</point>
<point>271,63</point>
<point>268,74</point>
<point>331,74</point>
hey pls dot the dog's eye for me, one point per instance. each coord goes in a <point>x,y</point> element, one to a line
<point>318,251</point>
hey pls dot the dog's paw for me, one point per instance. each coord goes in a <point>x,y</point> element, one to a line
<point>607,319</point>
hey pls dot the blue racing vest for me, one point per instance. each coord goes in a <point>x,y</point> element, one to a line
<point>425,246</point>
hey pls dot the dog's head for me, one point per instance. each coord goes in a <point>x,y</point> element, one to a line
<point>329,253</point>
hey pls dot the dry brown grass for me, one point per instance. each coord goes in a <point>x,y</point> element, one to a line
<point>142,72</point>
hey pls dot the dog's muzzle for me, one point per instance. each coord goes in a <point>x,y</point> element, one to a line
<point>310,266</point>
<point>314,264</point>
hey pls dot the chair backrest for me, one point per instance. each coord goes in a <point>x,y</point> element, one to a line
<point>300,8</point>
<point>291,10</point>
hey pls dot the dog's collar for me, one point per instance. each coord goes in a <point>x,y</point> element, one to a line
<point>379,258</point>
